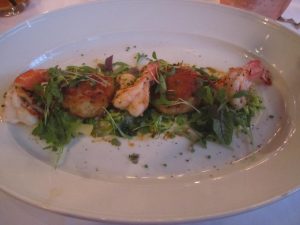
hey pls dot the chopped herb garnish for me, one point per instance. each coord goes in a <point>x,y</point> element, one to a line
<point>134,158</point>
<point>146,166</point>
<point>115,142</point>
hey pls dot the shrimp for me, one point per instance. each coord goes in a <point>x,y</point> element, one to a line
<point>135,97</point>
<point>237,80</point>
<point>19,105</point>
<point>31,78</point>
<point>125,80</point>
<point>256,71</point>
<point>242,79</point>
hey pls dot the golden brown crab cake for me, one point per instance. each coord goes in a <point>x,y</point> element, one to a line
<point>181,88</point>
<point>89,98</point>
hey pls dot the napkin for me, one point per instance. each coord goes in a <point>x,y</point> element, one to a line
<point>293,11</point>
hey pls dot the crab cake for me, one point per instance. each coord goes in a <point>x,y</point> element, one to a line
<point>181,87</point>
<point>89,98</point>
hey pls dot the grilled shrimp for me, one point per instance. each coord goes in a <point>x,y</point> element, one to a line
<point>125,80</point>
<point>242,79</point>
<point>31,78</point>
<point>19,103</point>
<point>135,97</point>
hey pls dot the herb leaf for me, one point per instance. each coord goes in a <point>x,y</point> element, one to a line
<point>206,95</point>
<point>108,65</point>
<point>240,94</point>
<point>58,130</point>
<point>223,127</point>
<point>154,55</point>
<point>140,57</point>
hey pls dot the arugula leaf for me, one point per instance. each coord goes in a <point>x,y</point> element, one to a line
<point>205,93</point>
<point>205,74</point>
<point>221,96</point>
<point>58,130</point>
<point>140,57</point>
<point>162,84</point>
<point>49,94</point>
<point>154,55</point>
<point>82,69</point>
<point>161,123</point>
<point>115,125</point>
<point>224,126</point>
<point>162,100</point>
<point>240,94</point>
<point>120,67</point>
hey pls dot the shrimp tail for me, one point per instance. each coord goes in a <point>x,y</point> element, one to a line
<point>255,71</point>
<point>150,71</point>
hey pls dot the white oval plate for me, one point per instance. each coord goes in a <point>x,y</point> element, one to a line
<point>97,180</point>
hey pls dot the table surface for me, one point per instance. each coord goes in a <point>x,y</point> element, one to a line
<point>15,212</point>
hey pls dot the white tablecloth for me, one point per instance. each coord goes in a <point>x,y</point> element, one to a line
<point>15,212</point>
